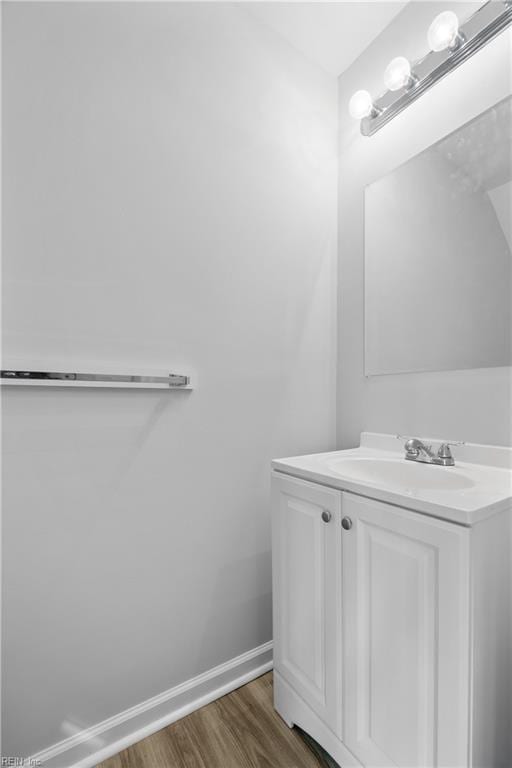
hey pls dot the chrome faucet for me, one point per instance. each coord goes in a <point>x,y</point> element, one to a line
<point>415,450</point>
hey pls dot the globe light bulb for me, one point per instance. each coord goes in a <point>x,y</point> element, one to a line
<point>398,74</point>
<point>444,32</point>
<point>360,105</point>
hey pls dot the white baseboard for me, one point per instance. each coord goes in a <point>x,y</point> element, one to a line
<point>93,745</point>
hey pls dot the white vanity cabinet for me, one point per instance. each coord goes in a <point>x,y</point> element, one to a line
<point>406,628</point>
<point>307,571</point>
<point>383,641</point>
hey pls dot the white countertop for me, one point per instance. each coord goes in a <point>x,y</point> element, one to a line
<point>487,467</point>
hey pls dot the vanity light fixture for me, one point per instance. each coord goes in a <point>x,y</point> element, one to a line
<point>450,42</point>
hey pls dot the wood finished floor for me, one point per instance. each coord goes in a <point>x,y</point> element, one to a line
<point>240,730</point>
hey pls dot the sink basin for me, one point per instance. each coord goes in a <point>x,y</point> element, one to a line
<point>478,486</point>
<point>399,473</point>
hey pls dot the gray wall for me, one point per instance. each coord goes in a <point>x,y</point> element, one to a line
<point>469,405</point>
<point>169,200</point>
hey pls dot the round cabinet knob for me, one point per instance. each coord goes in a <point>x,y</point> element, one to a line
<point>346,523</point>
<point>326,516</point>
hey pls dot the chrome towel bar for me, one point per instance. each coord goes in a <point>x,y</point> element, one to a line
<point>171,381</point>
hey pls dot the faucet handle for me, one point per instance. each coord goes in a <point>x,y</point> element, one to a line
<point>444,451</point>
<point>405,438</point>
<point>411,447</point>
<point>414,446</point>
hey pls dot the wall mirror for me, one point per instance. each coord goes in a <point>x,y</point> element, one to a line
<point>438,265</point>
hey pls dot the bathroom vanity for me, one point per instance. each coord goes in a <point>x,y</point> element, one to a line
<point>392,605</point>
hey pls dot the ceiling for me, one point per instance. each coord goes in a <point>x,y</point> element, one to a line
<point>331,34</point>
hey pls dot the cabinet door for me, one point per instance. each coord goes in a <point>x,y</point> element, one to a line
<point>406,637</point>
<point>307,593</point>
